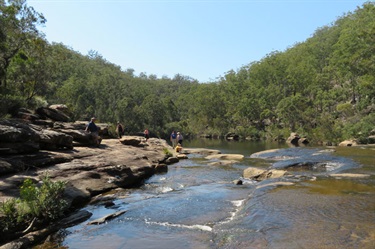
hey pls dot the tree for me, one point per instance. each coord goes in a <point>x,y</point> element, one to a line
<point>17,25</point>
<point>354,52</point>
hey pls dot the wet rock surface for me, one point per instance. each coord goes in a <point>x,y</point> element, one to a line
<point>44,144</point>
<point>87,171</point>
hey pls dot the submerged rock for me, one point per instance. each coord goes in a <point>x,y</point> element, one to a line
<point>275,184</point>
<point>223,163</point>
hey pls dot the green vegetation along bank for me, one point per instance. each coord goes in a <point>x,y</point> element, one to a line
<point>322,88</point>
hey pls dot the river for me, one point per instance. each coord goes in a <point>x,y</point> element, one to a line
<point>195,205</point>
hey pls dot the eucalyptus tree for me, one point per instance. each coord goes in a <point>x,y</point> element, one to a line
<point>18,25</point>
<point>29,71</point>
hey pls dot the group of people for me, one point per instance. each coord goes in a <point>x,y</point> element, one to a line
<point>176,138</point>
<point>93,129</point>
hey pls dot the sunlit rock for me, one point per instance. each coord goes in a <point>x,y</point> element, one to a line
<point>348,143</point>
<point>260,175</point>
<point>132,140</point>
<point>252,172</point>
<point>238,182</point>
<point>201,151</point>
<point>182,156</point>
<point>349,175</point>
<point>225,157</point>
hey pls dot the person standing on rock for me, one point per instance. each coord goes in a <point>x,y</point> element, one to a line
<point>119,130</point>
<point>146,134</point>
<point>179,138</point>
<point>94,131</point>
<point>173,139</point>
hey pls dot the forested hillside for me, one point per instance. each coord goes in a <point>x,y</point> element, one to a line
<point>322,88</point>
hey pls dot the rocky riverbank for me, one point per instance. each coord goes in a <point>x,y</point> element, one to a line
<point>88,171</point>
<point>41,144</point>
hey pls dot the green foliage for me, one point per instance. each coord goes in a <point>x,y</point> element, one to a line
<point>276,133</point>
<point>9,104</point>
<point>18,23</point>
<point>345,109</point>
<point>359,128</point>
<point>45,203</point>
<point>317,87</point>
<point>249,132</point>
<point>8,209</point>
<point>167,152</point>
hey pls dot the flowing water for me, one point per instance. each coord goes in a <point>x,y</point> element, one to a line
<point>196,205</point>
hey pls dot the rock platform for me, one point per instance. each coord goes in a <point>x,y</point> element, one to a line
<point>88,171</point>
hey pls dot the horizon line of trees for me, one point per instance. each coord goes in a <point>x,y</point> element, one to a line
<point>322,88</point>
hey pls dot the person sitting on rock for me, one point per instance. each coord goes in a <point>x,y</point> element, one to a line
<point>178,148</point>
<point>94,131</point>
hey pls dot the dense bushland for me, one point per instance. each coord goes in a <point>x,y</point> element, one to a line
<point>323,88</point>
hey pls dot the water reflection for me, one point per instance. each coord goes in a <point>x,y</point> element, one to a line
<point>196,205</point>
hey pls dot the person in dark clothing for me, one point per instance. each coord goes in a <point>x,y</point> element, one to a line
<point>146,134</point>
<point>179,138</point>
<point>94,131</point>
<point>119,130</point>
<point>173,139</point>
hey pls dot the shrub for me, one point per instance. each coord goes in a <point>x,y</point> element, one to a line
<point>167,152</point>
<point>44,203</point>
<point>10,104</point>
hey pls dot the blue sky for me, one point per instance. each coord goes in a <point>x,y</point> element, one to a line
<point>201,39</point>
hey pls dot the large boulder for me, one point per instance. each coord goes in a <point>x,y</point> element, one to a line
<point>78,125</point>
<point>50,139</point>
<point>293,138</point>
<point>296,139</point>
<point>348,143</point>
<point>79,136</point>
<point>26,114</point>
<point>14,130</point>
<point>61,108</point>
<point>17,137</point>
<point>53,114</point>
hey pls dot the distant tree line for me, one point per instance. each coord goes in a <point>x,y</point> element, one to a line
<point>323,88</point>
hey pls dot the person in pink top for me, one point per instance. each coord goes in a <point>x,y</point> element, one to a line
<point>146,134</point>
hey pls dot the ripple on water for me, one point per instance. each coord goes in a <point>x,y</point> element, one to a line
<point>194,227</point>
